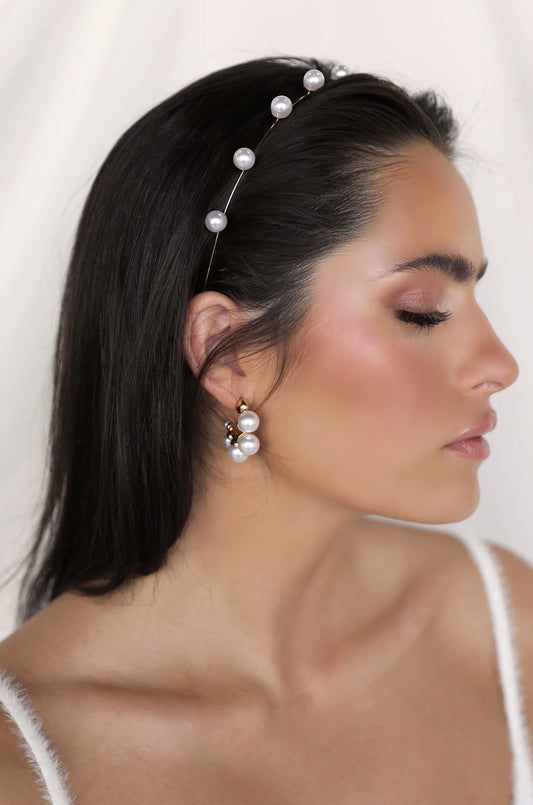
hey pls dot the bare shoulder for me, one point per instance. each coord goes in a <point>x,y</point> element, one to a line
<point>58,705</point>
<point>469,616</point>
<point>27,665</point>
<point>517,579</point>
<point>462,621</point>
<point>18,781</point>
<point>518,582</point>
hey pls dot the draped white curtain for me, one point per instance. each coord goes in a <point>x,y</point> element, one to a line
<point>75,75</point>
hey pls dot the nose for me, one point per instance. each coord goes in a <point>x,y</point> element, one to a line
<point>491,366</point>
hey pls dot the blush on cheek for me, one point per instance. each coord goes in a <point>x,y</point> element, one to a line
<point>357,422</point>
<point>363,376</point>
<point>362,415</point>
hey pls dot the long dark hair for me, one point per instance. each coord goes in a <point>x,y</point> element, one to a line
<point>126,444</point>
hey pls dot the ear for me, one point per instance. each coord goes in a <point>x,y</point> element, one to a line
<point>210,318</point>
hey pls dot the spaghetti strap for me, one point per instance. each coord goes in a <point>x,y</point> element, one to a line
<point>510,671</point>
<point>42,756</point>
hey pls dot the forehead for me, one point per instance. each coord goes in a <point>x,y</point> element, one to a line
<point>425,208</point>
<point>427,180</point>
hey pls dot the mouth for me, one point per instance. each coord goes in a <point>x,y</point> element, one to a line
<point>470,442</point>
<point>484,424</point>
<point>476,447</point>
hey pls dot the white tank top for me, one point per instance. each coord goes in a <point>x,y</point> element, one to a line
<point>52,777</point>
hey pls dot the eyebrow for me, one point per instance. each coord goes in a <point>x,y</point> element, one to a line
<point>460,268</point>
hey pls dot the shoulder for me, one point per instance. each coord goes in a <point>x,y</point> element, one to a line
<point>31,681</point>
<point>18,781</point>
<point>474,621</point>
<point>517,579</point>
<point>516,574</point>
<point>456,593</point>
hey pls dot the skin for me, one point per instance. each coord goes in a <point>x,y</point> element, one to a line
<point>277,547</point>
<point>278,570</point>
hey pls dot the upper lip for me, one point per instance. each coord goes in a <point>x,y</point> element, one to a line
<point>485,424</point>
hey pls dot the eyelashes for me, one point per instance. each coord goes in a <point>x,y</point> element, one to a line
<point>423,320</point>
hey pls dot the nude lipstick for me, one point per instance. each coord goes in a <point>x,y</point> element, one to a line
<point>470,442</point>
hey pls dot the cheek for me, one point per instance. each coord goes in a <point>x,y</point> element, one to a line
<point>374,376</point>
<point>365,390</point>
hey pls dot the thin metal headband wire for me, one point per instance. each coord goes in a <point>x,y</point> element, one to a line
<point>244,158</point>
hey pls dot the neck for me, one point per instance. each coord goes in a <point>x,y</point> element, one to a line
<point>267,581</point>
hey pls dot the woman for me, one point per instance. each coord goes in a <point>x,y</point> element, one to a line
<point>202,629</point>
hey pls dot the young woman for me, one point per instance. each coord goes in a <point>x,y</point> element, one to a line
<point>210,612</point>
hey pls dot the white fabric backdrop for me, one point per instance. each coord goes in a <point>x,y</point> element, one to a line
<point>75,75</point>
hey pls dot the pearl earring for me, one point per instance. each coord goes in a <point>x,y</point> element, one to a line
<point>239,438</point>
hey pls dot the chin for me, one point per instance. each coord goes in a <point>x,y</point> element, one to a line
<point>454,508</point>
<point>439,506</point>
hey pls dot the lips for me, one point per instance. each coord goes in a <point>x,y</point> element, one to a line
<point>487,423</point>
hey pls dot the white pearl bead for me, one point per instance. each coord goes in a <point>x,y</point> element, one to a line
<point>226,441</point>
<point>248,443</point>
<point>339,71</point>
<point>216,221</point>
<point>248,421</point>
<point>235,454</point>
<point>281,106</point>
<point>244,158</point>
<point>314,79</point>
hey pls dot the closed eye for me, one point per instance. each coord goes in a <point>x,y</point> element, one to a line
<point>423,320</point>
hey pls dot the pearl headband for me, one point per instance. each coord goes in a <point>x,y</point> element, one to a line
<point>244,158</point>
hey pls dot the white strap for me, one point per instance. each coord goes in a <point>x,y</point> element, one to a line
<point>504,631</point>
<point>43,758</point>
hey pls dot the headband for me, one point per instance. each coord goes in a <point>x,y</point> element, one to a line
<point>244,158</point>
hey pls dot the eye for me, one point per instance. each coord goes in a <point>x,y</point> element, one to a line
<point>423,320</point>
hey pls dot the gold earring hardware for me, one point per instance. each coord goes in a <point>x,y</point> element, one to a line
<point>238,437</point>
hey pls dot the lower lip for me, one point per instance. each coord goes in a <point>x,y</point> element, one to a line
<point>477,447</point>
